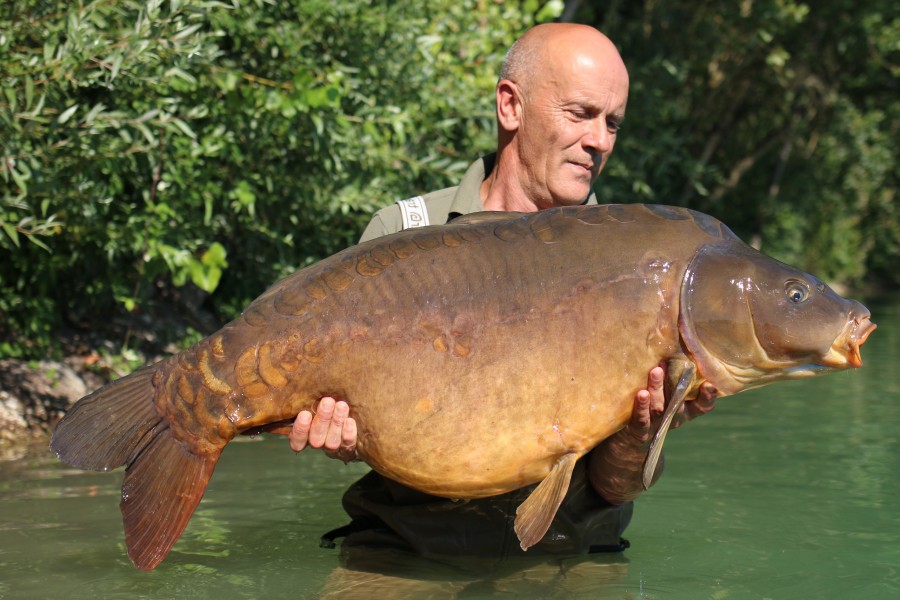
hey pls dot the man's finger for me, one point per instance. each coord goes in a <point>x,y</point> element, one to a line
<point>335,429</point>
<point>347,451</point>
<point>321,421</point>
<point>656,389</point>
<point>348,438</point>
<point>705,402</point>
<point>299,435</point>
<point>639,426</point>
<point>708,394</point>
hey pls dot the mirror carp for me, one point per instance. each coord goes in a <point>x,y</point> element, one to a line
<point>477,357</point>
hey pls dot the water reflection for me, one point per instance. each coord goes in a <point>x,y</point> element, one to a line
<point>365,574</point>
<point>788,491</point>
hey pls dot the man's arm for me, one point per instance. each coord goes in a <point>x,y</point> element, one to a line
<point>376,227</point>
<point>616,465</point>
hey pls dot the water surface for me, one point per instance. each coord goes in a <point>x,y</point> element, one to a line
<point>789,491</point>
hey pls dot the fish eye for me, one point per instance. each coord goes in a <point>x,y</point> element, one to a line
<point>797,291</point>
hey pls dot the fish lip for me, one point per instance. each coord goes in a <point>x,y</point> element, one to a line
<point>845,349</point>
<point>862,329</point>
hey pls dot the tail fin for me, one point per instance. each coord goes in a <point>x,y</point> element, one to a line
<point>164,481</point>
<point>106,429</point>
<point>157,504</point>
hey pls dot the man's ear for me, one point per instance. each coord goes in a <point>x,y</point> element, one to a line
<point>509,105</point>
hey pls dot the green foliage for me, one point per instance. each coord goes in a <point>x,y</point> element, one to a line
<point>221,144</point>
<point>780,117</point>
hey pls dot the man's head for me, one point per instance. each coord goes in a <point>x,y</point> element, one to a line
<point>560,100</point>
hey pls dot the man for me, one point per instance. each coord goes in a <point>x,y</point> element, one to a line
<point>560,99</point>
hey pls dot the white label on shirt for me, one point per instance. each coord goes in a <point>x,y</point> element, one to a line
<point>413,212</point>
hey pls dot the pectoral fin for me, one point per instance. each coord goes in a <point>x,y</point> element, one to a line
<point>679,395</point>
<point>533,517</point>
<point>277,428</point>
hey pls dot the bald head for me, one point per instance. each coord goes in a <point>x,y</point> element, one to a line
<point>560,102</point>
<point>550,46</point>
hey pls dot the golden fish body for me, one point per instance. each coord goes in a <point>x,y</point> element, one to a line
<point>477,357</point>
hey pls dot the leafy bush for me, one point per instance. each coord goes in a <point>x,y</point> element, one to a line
<point>158,151</point>
<point>221,144</point>
<point>779,117</point>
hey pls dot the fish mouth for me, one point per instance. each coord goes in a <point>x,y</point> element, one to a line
<point>845,350</point>
<point>861,331</point>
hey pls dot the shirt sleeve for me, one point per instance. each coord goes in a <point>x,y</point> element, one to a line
<point>375,229</point>
<point>385,222</point>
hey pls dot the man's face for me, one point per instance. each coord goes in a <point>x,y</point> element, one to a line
<point>570,118</point>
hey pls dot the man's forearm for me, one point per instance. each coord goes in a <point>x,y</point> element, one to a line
<point>615,467</point>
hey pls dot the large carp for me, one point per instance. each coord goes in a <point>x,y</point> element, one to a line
<point>544,324</point>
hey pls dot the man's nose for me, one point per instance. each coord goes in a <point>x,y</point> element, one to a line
<point>598,137</point>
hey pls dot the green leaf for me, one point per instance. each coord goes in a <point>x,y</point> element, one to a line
<point>10,94</point>
<point>551,10</point>
<point>215,256</point>
<point>92,114</point>
<point>181,74</point>
<point>11,232</point>
<point>207,272</point>
<point>29,91</point>
<point>183,127</point>
<point>34,239</point>
<point>187,31</point>
<point>206,278</point>
<point>145,131</point>
<point>39,107</point>
<point>245,197</point>
<point>116,65</point>
<point>67,114</point>
<point>129,302</point>
<point>20,179</point>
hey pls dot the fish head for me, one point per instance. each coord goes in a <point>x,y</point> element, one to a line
<point>747,319</point>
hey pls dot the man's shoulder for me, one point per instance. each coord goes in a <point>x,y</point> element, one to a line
<point>390,219</point>
<point>436,205</point>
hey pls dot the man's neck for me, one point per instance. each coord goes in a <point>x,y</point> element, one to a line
<point>502,191</point>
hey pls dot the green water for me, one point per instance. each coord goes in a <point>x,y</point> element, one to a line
<point>790,491</point>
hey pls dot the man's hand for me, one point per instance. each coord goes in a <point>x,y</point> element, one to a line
<point>615,466</point>
<point>650,404</point>
<point>331,428</point>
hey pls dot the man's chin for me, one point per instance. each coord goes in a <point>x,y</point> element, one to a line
<point>572,197</point>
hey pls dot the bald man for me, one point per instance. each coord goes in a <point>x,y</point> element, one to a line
<point>561,99</point>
